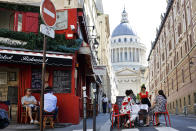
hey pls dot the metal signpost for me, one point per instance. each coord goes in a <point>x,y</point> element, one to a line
<point>94,107</point>
<point>84,104</point>
<point>48,14</point>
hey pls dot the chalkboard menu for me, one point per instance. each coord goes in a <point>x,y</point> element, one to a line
<point>119,100</point>
<point>36,79</point>
<point>62,81</point>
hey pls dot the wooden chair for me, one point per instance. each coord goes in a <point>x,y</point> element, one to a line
<point>165,113</point>
<point>24,114</point>
<point>117,115</point>
<point>48,117</point>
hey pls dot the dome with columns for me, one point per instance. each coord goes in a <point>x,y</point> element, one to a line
<point>126,49</point>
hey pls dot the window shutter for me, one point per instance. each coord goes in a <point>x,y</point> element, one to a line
<point>31,22</point>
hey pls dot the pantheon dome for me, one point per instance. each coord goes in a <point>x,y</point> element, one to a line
<point>126,49</point>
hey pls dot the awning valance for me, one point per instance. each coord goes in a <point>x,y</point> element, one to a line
<point>34,58</point>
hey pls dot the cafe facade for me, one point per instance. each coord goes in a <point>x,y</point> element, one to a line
<point>68,61</point>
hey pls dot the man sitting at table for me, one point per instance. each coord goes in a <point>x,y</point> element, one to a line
<point>30,102</point>
<point>50,101</point>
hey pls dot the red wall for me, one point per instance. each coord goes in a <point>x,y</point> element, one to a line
<point>72,20</point>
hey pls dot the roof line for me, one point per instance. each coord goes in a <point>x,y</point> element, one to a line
<point>161,26</point>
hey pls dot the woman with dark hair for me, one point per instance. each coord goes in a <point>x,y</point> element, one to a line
<point>159,105</point>
<point>126,104</point>
<point>144,96</point>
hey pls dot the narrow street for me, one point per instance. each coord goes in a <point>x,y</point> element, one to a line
<point>179,123</point>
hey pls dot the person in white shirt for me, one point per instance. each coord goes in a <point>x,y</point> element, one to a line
<point>50,101</point>
<point>104,103</point>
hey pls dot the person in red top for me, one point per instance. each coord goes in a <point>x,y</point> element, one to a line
<point>144,96</point>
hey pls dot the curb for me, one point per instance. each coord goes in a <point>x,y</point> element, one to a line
<point>188,116</point>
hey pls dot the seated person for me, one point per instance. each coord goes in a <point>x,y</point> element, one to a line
<point>126,105</point>
<point>144,96</point>
<point>159,105</point>
<point>50,101</point>
<point>30,102</point>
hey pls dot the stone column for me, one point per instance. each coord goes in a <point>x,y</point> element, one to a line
<point>128,54</point>
<point>135,54</point>
<point>139,55</point>
<point>123,54</point>
<point>131,54</point>
<point>112,55</point>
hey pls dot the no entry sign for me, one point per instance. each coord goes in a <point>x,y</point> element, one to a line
<point>48,12</point>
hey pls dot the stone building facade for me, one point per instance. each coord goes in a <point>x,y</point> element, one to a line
<point>172,61</point>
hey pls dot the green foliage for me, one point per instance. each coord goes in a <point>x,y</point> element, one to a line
<point>20,7</point>
<point>35,41</point>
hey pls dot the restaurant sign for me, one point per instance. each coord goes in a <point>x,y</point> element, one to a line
<point>99,70</point>
<point>14,58</point>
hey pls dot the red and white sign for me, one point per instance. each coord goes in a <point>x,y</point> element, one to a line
<point>48,12</point>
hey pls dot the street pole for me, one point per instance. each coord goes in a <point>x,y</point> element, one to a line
<point>94,109</point>
<point>43,85</point>
<point>84,108</point>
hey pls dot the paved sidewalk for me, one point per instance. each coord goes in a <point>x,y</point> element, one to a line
<point>102,124</point>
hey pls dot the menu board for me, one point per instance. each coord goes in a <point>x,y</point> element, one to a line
<point>62,81</point>
<point>119,100</point>
<point>36,79</point>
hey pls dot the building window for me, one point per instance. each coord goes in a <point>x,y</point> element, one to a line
<point>62,81</point>
<point>171,64</point>
<point>163,57</point>
<point>177,57</point>
<point>125,40</point>
<point>125,56</point>
<point>182,75</point>
<point>130,56</point>
<point>190,40</point>
<point>179,29</point>
<point>178,6</point>
<point>181,51</point>
<point>119,40</point>
<point>19,22</point>
<point>189,98</point>
<point>170,45</point>
<point>194,97</point>
<point>121,56</point>
<point>114,41</point>
<point>131,39</point>
<point>173,105</point>
<point>176,104</point>
<point>168,24</point>
<point>185,46</point>
<point>172,84</point>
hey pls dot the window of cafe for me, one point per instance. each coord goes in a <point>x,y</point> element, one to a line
<point>62,81</point>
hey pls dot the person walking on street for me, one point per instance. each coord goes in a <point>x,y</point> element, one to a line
<point>104,103</point>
